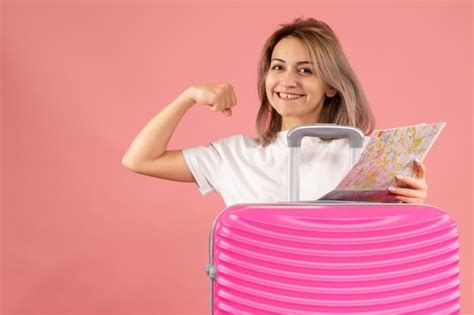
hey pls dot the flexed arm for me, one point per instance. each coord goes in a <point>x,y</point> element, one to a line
<point>148,152</point>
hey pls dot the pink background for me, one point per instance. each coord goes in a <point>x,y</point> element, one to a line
<point>81,234</point>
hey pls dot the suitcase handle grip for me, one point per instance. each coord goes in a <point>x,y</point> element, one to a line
<point>355,136</point>
<point>295,135</point>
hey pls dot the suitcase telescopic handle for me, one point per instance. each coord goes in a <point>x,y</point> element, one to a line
<point>295,135</point>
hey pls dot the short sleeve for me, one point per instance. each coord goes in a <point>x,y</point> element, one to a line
<point>204,163</point>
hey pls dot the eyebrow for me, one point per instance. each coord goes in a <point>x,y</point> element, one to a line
<point>298,63</point>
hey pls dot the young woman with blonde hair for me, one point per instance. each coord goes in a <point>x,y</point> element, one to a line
<point>304,78</point>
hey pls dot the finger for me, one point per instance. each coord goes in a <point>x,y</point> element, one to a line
<point>214,107</point>
<point>420,169</point>
<point>215,103</point>
<point>407,192</point>
<point>228,99</point>
<point>224,98</point>
<point>220,103</point>
<point>227,112</point>
<point>217,107</point>
<point>409,199</point>
<point>410,182</point>
<point>234,98</point>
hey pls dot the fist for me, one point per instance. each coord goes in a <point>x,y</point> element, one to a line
<point>219,97</point>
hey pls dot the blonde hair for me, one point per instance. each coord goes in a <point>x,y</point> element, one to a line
<point>348,107</point>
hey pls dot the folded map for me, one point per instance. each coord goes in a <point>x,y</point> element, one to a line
<point>388,153</point>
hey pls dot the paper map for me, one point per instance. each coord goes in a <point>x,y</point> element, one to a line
<point>388,153</point>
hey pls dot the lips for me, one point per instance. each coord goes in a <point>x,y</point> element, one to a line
<point>289,96</point>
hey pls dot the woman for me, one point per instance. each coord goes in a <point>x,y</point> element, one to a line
<point>304,78</point>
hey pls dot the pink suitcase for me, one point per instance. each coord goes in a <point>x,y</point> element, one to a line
<point>333,258</point>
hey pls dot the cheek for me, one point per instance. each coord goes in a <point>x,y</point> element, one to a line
<point>267,82</point>
<point>315,91</point>
<point>270,80</point>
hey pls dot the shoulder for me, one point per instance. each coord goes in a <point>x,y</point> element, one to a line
<point>244,148</point>
<point>239,140</point>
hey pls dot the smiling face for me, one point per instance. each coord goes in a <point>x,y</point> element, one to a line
<point>292,86</point>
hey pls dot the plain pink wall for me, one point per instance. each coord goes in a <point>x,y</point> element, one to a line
<point>81,234</point>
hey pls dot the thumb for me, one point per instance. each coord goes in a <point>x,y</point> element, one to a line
<point>227,112</point>
<point>420,169</point>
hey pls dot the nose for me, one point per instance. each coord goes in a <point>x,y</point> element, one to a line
<point>288,79</point>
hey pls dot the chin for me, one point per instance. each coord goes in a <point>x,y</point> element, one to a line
<point>288,113</point>
<point>286,110</point>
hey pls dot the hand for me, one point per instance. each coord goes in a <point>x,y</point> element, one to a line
<point>220,97</point>
<point>411,189</point>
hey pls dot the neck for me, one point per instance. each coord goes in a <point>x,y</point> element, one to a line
<point>289,123</point>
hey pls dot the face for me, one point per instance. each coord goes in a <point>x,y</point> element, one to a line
<point>293,88</point>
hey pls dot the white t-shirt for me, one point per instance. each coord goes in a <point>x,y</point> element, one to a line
<point>244,171</point>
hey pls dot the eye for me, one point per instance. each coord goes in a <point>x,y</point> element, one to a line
<point>276,67</point>
<point>306,70</point>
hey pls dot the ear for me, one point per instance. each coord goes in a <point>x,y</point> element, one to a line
<point>330,91</point>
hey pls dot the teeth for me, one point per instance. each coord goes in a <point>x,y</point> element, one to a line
<point>289,96</point>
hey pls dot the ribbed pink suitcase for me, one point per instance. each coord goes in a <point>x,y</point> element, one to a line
<point>333,258</point>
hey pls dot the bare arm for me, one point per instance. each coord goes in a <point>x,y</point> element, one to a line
<point>148,153</point>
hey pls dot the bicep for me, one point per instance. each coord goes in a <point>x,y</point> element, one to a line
<point>170,165</point>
